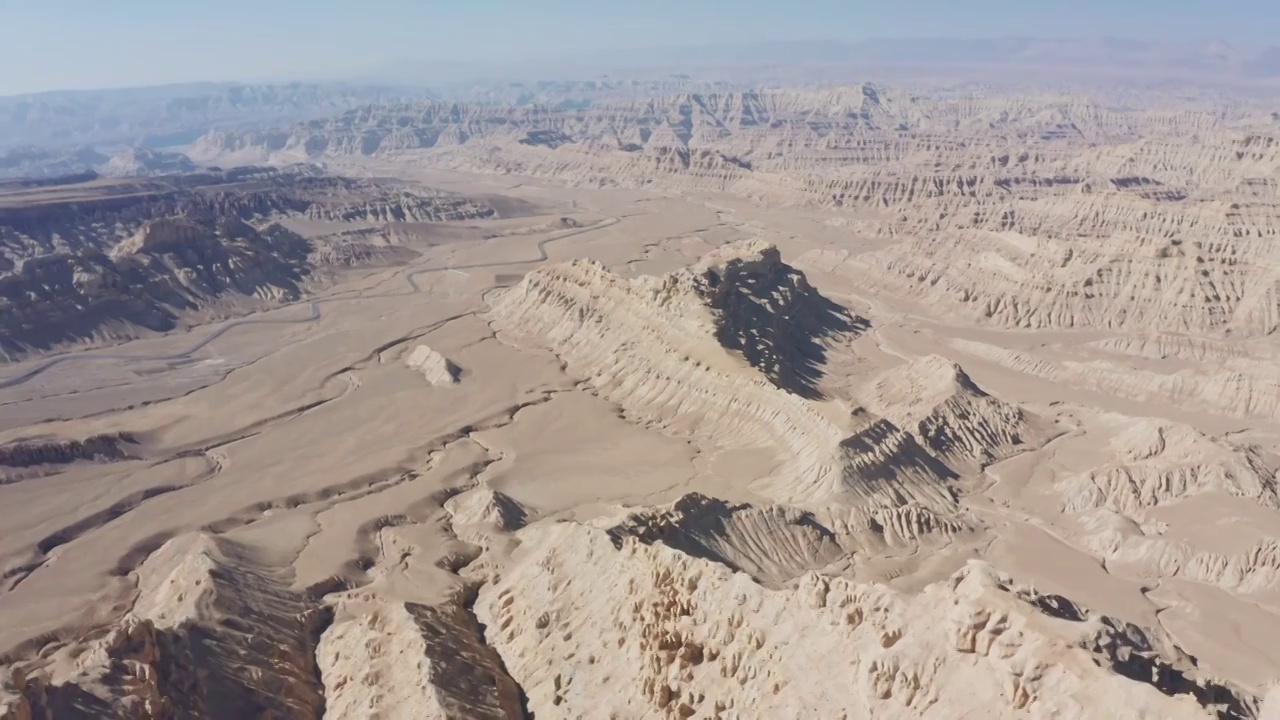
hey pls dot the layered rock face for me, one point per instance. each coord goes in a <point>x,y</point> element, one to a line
<point>53,452</point>
<point>937,401</point>
<point>773,544</point>
<point>671,635</point>
<point>112,260</point>
<point>1247,388</point>
<point>167,267</point>
<point>653,346</point>
<point>1180,280</point>
<point>403,207</point>
<point>75,217</point>
<point>730,351</point>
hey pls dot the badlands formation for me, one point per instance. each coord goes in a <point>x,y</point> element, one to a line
<point>864,402</point>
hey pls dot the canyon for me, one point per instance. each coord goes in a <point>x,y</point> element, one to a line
<point>868,400</point>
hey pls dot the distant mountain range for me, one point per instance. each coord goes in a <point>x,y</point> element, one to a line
<point>178,114</point>
<point>174,114</point>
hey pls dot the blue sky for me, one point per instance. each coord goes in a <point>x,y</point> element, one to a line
<point>58,44</point>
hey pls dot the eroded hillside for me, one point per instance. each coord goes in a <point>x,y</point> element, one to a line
<point>91,260</point>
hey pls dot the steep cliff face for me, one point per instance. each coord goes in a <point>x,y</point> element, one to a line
<point>403,207</point>
<point>766,311</point>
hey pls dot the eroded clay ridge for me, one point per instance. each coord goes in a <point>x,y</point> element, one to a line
<point>590,623</point>
<point>214,632</point>
<point>217,631</point>
<point>712,351</point>
<point>959,422</point>
<point>1199,275</point>
<point>1156,464</point>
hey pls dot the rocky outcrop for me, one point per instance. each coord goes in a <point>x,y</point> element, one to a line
<point>766,311</point>
<point>950,415</point>
<point>413,660</point>
<point>772,544</point>
<point>485,506</point>
<point>1141,551</point>
<point>25,454</point>
<point>1156,462</point>
<point>589,624</point>
<point>404,207</point>
<point>433,366</point>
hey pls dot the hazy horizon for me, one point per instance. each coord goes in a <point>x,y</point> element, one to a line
<point>83,45</point>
